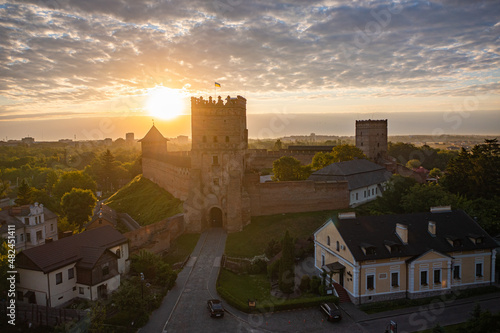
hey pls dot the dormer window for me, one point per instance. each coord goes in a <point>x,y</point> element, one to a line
<point>454,241</point>
<point>476,239</point>
<point>368,249</point>
<point>392,247</point>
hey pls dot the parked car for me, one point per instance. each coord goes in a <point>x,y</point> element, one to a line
<point>215,307</point>
<point>332,311</point>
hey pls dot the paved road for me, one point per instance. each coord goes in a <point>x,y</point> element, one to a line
<point>184,308</point>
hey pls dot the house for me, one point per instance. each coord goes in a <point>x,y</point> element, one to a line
<point>416,255</point>
<point>87,265</point>
<point>34,225</point>
<point>367,180</point>
<point>105,215</point>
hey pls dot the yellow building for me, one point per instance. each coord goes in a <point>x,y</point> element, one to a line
<point>417,255</point>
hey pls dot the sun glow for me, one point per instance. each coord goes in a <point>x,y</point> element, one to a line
<point>165,103</point>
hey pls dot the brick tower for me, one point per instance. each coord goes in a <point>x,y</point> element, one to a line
<point>371,138</point>
<point>217,197</point>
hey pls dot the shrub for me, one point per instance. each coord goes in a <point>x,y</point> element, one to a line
<point>273,270</point>
<point>305,283</point>
<point>314,285</point>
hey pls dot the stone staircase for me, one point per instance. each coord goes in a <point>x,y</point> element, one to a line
<point>343,296</point>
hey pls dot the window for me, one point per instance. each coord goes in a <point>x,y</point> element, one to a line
<point>423,278</point>
<point>376,190</point>
<point>39,235</point>
<point>28,237</point>
<point>21,237</point>
<point>227,139</point>
<point>71,273</point>
<point>437,276</point>
<point>105,269</point>
<point>373,191</point>
<point>364,193</point>
<point>356,196</point>
<point>36,219</point>
<point>215,160</point>
<point>80,290</point>
<point>204,139</point>
<point>118,253</point>
<point>26,220</point>
<point>361,144</point>
<point>456,272</point>
<point>328,240</point>
<point>338,246</point>
<point>370,282</point>
<point>395,279</point>
<point>215,138</point>
<point>479,269</point>
<point>322,260</point>
<point>52,227</point>
<point>58,278</point>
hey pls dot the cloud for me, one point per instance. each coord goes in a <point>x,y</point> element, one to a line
<point>60,52</point>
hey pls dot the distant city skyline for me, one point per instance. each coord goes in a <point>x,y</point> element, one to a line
<point>67,64</point>
<point>260,126</point>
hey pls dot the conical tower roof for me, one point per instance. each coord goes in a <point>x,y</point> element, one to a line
<point>153,136</point>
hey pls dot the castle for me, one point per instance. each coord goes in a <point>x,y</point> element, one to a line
<point>217,179</point>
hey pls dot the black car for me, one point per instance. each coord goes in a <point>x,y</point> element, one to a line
<point>215,307</point>
<point>332,311</point>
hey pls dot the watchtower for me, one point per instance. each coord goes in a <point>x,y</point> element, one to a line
<point>217,197</point>
<point>371,138</point>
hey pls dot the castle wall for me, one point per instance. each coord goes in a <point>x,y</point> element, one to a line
<point>156,237</point>
<point>295,196</point>
<point>172,178</point>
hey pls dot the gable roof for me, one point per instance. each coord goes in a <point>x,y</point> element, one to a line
<point>86,247</point>
<point>380,232</point>
<point>153,135</point>
<point>358,173</point>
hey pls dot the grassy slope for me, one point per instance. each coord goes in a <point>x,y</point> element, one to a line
<point>145,201</point>
<point>181,247</point>
<point>254,238</point>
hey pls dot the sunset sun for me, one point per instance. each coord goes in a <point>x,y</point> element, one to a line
<point>165,103</point>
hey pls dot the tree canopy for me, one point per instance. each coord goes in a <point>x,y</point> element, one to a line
<point>340,153</point>
<point>289,168</point>
<point>77,206</point>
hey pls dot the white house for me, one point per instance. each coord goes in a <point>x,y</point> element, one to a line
<point>367,180</point>
<point>87,265</point>
<point>34,224</point>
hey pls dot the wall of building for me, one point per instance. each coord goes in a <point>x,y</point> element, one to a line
<point>295,196</point>
<point>172,178</point>
<point>156,237</point>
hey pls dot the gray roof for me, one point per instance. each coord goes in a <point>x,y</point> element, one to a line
<point>358,173</point>
<point>85,247</point>
<point>380,231</point>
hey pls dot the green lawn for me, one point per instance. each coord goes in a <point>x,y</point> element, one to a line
<point>181,248</point>
<point>254,238</point>
<point>238,289</point>
<point>145,201</point>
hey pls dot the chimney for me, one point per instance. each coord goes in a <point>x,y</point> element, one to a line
<point>441,209</point>
<point>402,232</point>
<point>432,228</point>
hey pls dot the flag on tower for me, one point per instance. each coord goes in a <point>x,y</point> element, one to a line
<point>217,84</point>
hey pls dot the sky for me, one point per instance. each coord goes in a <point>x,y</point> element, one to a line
<point>68,66</point>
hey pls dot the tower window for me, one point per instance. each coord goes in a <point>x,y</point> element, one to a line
<point>227,139</point>
<point>216,181</point>
<point>215,138</point>
<point>204,139</point>
<point>361,143</point>
<point>215,160</point>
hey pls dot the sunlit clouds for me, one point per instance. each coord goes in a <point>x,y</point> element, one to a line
<point>73,58</point>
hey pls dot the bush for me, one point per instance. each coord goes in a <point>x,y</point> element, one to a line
<point>314,285</point>
<point>273,270</point>
<point>257,266</point>
<point>322,290</point>
<point>305,283</point>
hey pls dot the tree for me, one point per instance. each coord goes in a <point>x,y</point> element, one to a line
<point>475,174</point>
<point>345,152</point>
<point>413,164</point>
<point>435,173</point>
<point>289,168</point>
<point>4,185</point>
<point>286,277</point>
<point>390,201</point>
<point>278,145</point>
<point>421,197</point>
<point>73,179</point>
<point>321,160</point>
<point>77,206</point>
<point>24,194</point>
<point>403,152</point>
